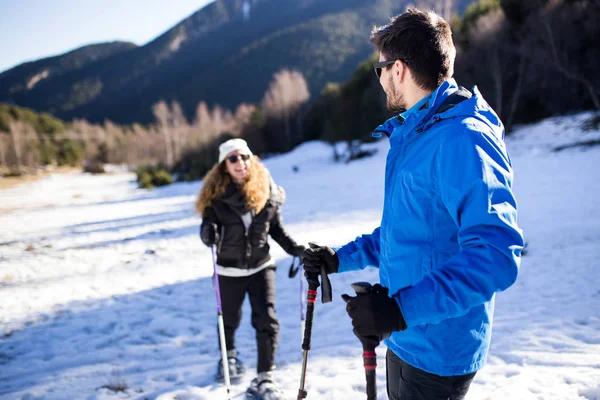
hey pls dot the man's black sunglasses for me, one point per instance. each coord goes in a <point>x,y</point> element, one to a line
<point>379,65</point>
<point>235,158</point>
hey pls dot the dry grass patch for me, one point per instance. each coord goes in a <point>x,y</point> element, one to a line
<point>8,182</point>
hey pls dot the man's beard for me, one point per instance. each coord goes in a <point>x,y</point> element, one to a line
<point>394,100</point>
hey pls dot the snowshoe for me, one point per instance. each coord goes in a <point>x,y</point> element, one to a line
<point>263,388</point>
<point>236,370</point>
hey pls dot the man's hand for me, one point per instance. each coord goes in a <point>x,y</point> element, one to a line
<point>374,314</point>
<point>209,234</point>
<point>317,257</point>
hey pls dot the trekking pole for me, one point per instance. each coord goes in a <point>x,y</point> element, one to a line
<point>292,273</point>
<point>302,313</point>
<point>369,343</point>
<point>311,298</point>
<point>221,326</point>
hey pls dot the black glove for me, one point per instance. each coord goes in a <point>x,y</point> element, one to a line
<point>209,234</point>
<point>374,314</point>
<point>298,251</point>
<point>320,256</point>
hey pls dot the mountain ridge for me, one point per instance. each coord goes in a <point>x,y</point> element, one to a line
<point>214,55</point>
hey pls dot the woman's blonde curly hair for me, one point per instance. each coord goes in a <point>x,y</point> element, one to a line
<point>256,189</point>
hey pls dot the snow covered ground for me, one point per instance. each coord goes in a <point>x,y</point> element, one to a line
<point>106,291</point>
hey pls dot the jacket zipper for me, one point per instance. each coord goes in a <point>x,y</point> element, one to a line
<point>221,239</point>
<point>246,230</point>
<point>247,246</point>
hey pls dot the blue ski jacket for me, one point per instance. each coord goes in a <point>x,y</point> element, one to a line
<point>448,239</point>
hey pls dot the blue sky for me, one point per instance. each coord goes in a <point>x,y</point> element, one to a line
<point>33,29</point>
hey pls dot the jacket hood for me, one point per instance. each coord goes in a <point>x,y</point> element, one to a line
<point>277,194</point>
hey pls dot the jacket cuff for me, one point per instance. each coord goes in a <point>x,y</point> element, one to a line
<point>345,259</point>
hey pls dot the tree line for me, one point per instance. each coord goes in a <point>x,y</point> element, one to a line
<point>29,140</point>
<point>531,60</point>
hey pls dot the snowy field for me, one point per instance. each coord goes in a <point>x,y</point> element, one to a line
<point>106,291</point>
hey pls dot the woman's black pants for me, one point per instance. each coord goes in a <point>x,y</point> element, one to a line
<point>261,292</point>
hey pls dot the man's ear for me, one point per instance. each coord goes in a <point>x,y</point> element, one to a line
<point>401,71</point>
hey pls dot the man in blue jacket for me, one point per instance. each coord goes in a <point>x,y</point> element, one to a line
<point>448,239</point>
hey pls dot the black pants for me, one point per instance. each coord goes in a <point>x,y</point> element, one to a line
<point>405,382</point>
<point>261,291</point>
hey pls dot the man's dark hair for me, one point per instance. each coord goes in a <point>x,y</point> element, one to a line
<point>423,41</point>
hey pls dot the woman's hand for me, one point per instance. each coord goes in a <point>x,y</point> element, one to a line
<point>209,234</point>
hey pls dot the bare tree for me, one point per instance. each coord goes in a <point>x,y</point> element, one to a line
<point>442,7</point>
<point>559,59</point>
<point>113,141</point>
<point>514,102</point>
<point>31,147</point>
<point>222,120</point>
<point>287,92</point>
<point>162,114</point>
<point>4,149</point>
<point>17,129</point>
<point>180,126</point>
<point>485,35</point>
<point>203,123</point>
<point>84,132</point>
<point>242,116</point>
<point>143,138</point>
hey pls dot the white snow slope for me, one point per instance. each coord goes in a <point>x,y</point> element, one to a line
<point>106,290</point>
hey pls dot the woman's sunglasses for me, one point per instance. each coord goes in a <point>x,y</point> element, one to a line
<point>379,65</point>
<point>235,158</point>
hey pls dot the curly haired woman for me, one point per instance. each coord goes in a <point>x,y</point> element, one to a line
<point>240,206</point>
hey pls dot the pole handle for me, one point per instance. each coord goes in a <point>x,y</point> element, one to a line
<point>326,292</point>
<point>362,287</point>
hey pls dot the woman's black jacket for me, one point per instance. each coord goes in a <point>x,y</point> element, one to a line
<point>238,247</point>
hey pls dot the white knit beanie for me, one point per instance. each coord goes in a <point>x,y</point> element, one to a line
<point>233,145</point>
